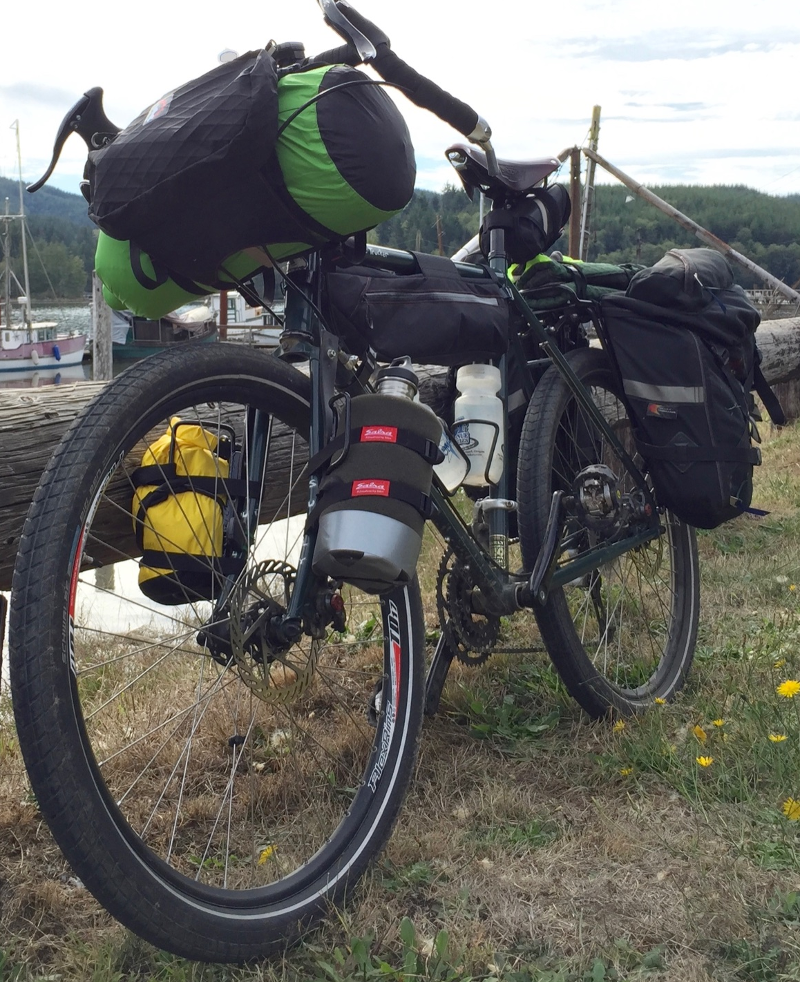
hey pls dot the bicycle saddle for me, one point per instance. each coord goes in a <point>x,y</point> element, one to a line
<point>515,176</point>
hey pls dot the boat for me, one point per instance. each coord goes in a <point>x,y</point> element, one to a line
<point>134,338</point>
<point>257,326</point>
<point>27,345</point>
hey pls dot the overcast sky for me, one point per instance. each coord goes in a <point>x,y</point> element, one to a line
<point>693,91</point>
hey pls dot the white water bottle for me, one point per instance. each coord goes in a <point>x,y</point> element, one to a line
<point>478,423</point>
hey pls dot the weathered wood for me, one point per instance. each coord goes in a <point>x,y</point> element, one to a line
<point>32,421</point>
<point>102,357</point>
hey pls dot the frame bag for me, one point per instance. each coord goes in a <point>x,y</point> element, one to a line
<point>683,341</point>
<point>435,316</point>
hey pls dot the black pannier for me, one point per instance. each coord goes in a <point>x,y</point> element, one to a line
<point>436,316</point>
<point>683,340</point>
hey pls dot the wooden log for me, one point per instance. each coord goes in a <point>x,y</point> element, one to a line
<point>32,421</point>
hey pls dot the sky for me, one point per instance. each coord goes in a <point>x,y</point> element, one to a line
<point>694,91</point>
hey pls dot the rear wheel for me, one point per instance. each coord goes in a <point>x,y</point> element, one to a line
<point>623,635</point>
<point>213,782</point>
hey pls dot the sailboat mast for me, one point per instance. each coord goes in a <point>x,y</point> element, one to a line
<point>7,258</point>
<point>28,317</point>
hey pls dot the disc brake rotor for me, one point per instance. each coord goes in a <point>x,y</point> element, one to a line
<point>274,671</point>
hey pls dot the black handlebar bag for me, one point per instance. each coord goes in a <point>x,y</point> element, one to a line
<point>248,156</point>
<point>184,179</point>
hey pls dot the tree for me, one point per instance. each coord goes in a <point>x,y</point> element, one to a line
<point>55,272</point>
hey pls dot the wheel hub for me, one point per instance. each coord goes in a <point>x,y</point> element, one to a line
<point>272,668</point>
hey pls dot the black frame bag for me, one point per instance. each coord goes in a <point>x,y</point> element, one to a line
<point>435,316</point>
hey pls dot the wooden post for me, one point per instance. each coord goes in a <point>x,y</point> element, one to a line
<point>575,199</point>
<point>102,359</point>
<point>588,191</point>
<point>708,238</point>
<point>223,315</point>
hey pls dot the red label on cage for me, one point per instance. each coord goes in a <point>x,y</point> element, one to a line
<point>370,487</point>
<point>379,434</point>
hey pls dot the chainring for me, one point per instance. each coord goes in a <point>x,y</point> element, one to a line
<point>276,673</point>
<point>472,636</point>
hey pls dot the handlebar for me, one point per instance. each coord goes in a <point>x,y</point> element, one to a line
<point>364,43</point>
<point>361,35</point>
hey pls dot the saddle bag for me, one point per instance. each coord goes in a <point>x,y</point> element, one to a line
<point>242,158</point>
<point>532,224</point>
<point>683,341</point>
<point>178,503</point>
<point>373,503</point>
<point>435,316</point>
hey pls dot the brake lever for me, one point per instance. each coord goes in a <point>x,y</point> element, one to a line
<point>86,118</point>
<point>335,18</point>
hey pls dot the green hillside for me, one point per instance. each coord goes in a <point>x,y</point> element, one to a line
<point>765,228</point>
<point>63,240</point>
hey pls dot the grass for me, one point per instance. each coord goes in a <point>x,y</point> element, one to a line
<point>537,846</point>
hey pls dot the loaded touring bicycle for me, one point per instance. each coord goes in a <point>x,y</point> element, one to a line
<point>219,638</point>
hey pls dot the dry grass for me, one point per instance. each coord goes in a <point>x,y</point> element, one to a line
<point>522,838</point>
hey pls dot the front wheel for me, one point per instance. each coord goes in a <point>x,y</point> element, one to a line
<point>215,783</point>
<point>622,635</point>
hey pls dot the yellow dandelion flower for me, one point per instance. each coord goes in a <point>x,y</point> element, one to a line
<point>792,587</point>
<point>791,809</point>
<point>625,771</point>
<point>718,722</point>
<point>659,701</point>
<point>265,854</point>
<point>779,663</point>
<point>777,737</point>
<point>700,733</point>
<point>619,726</point>
<point>705,761</point>
<point>788,689</point>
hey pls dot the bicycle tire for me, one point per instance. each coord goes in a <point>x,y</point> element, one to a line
<point>624,635</point>
<point>213,819</point>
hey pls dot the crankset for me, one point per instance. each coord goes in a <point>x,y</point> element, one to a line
<point>472,634</point>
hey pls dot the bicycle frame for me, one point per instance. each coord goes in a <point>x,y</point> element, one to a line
<point>499,592</point>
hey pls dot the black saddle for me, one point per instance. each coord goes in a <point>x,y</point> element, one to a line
<point>514,176</point>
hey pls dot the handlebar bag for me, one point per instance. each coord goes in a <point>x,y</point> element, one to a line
<point>689,400</point>
<point>245,157</point>
<point>435,316</point>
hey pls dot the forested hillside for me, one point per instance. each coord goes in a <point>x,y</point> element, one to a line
<point>763,227</point>
<point>624,229</point>
<point>62,240</point>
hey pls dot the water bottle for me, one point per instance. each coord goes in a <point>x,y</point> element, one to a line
<point>478,424</point>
